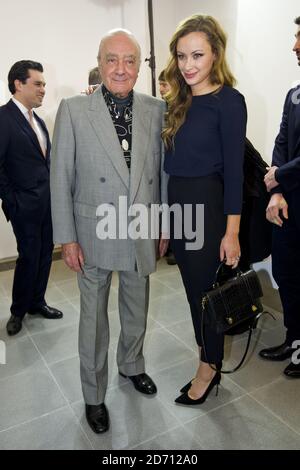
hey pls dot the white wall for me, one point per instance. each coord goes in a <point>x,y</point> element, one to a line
<point>64,35</point>
<point>168,13</point>
<point>265,65</point>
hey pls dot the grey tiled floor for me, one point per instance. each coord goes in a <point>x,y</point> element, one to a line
<point>41,403</point>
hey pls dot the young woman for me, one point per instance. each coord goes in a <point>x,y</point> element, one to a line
<point>204,139</point>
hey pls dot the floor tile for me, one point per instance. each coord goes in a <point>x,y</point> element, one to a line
<point>162,350</point>
<point>75,301</point>
<point>134,418</point>
<point>67,375</point>
<point>58,344</point>
<point>8,274</point>
<point>158,289</point>
<point>169,309</point>
<point>184,331</point>
<point>68,288</point>
<point>21,356</point>
<point>115,281</point>
<point>267,322</point>
<point>113,303</point>
<point>54,295</point>
<point>255,372</point>
<point>282,397</point>
<point>56,431</point>
<point>271,298</point>
<point>6,284</point>
<point>177,439</point>
<point>4,307</point>
<point>172,280</point>
<point>27,396</point>
<point>243,424</point>
<point>164,267</point>
<point>60,272</point>
<point>273,337</point>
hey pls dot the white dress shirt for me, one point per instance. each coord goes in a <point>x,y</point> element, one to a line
<point>37,127</point>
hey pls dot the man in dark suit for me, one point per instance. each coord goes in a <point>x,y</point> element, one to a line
<point>283,180</point>
<point>25,191</point>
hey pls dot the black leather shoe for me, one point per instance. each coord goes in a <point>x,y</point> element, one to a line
<point>171,259</point>
<point>97,417</point>
<point>142,382</point>
<point>292,371</point>
<point>185,399</point>
<point>277,353</point>
<point>47,312</point>
<point>14,325</point>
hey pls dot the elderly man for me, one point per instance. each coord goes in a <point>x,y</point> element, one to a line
<point>283,180</point>
<point>107,149</point>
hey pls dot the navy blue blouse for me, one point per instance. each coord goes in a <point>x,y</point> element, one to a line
<point>211,141</point>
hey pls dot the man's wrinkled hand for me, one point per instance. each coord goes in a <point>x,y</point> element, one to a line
<point>73,256</point>
<point>277,203</point>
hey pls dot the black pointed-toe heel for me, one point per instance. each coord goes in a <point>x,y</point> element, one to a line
<point>184,399</point>
<point>186,387</point>
<point>189,384</point>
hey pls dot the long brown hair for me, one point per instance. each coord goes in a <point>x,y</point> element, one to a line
<point>180,97</point>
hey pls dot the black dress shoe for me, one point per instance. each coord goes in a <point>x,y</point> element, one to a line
<point>14,325</point>
<point>97,417</point>
<point>171,259</point>
<point>277,353</point>
<point>185,399</point>
<point>47,312</point>
<point>292,371</point>
<point>142,382</point>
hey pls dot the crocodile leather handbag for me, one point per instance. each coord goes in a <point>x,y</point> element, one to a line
<point>236,300</point>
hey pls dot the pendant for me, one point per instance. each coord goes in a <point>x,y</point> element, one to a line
<point>125,145</point>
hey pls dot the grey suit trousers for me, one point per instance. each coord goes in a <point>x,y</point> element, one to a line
<point>94,285</point>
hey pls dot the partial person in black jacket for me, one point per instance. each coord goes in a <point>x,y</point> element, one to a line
<point>25,191</point>
<point>255,231</point>
<point>283,180</point>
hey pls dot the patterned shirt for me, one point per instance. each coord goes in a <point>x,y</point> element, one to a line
<point>121,114</point>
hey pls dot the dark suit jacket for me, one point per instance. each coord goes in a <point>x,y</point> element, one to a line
<point>24,172</point>
<point>286,154</point>
<point>255,230</point>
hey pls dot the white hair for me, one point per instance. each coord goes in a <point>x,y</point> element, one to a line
<point>115,32</point>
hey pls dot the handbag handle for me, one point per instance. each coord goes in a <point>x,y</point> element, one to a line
<point>239,365</point>
<point>236,270</point>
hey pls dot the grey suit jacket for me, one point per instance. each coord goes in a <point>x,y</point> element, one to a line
<point>88,169</point>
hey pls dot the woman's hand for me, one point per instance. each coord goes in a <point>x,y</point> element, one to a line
<point>230,250</point>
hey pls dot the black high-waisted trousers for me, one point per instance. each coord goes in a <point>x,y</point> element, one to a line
<point>198,267</point>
